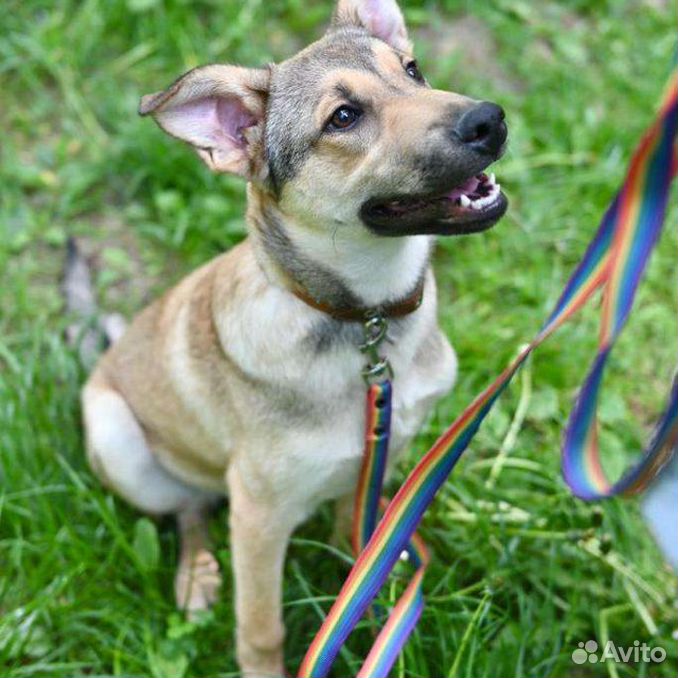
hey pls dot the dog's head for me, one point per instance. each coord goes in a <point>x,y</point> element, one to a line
<point>347,132</point>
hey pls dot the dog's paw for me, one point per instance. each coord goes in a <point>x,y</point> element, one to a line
<point>197,583</point>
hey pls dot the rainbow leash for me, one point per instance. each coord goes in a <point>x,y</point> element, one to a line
<point>615,260</point>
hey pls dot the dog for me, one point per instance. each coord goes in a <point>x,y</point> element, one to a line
<point>245,380</point>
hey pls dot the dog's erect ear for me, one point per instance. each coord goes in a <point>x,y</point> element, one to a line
<point>381,18</point>
<point>220,111</point>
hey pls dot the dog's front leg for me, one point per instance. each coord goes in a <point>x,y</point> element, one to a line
<point>343,520</point>
<point>260,531</point>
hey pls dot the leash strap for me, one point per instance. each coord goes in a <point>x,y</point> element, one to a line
<point>375,453</point>
<point>368,501</point>
<point>615,260</point>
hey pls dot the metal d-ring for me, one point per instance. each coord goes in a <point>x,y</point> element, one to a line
<point>374,333</point>
<point>374,373</point>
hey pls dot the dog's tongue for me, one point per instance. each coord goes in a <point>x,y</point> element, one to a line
<point>466,188</point>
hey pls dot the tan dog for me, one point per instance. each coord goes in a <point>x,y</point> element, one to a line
<point>245,379</point>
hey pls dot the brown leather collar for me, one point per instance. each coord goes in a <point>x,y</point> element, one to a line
<point>398,309</point>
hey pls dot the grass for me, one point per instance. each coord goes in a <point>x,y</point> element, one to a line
<point>522,572</point>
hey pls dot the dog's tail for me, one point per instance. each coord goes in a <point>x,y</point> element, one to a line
<point>91,331</point>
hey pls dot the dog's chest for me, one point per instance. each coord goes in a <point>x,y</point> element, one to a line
<point>316,432</point>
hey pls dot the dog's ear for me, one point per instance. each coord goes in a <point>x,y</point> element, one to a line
<point>219,110</point>
<point>381,18</point>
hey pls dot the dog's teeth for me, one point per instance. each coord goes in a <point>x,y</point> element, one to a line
<point>465,201</point>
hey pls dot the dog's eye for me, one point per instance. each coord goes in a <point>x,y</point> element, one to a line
<point>412,69</point>
<point>344,118</point>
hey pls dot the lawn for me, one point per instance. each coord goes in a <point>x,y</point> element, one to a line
<point>521,571</point>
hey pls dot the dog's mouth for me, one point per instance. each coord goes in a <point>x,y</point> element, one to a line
<point>473,206</point>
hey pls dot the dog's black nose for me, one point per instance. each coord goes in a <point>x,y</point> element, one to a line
<point>483,128</point>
